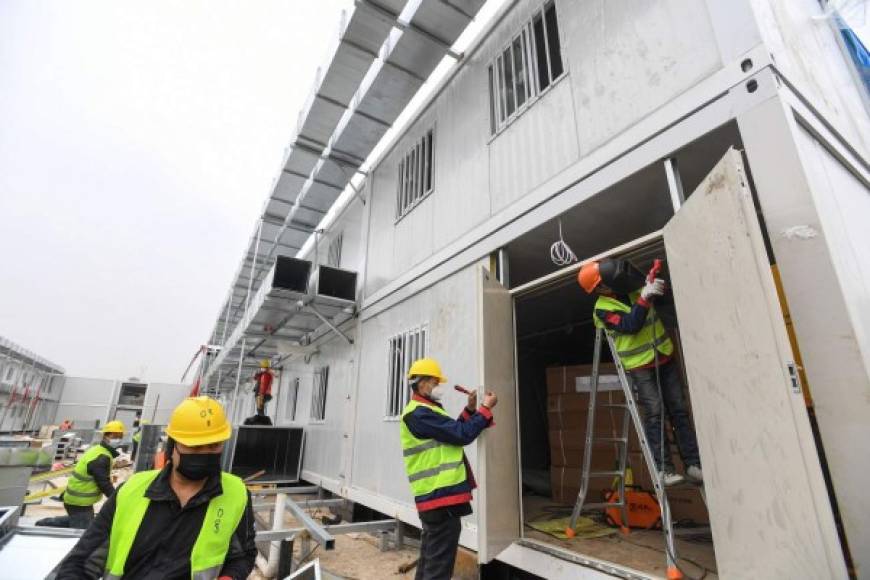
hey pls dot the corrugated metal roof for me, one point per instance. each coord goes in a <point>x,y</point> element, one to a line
<point>384,52</point>
<point>18,352</point>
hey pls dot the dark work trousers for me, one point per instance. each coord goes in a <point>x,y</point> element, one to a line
<point>79,516</point>
<point>675,404</point>
<point>438,543</point>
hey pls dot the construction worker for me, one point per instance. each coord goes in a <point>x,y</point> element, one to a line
<point>137,436</point>
<point>625,310</point>
<point>66,425</point>
<point>91,478</point>
<point>440,476</point>
<point>263,386</point>
<point>187,520</point>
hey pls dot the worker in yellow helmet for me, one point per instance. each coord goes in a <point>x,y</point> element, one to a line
<point>91,477</point>
<point>439,474</point>
<point>187,520</point>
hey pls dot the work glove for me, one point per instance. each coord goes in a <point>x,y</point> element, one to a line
<point>652,289</point>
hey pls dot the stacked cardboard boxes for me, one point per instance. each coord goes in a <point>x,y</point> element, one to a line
<point>567,411</point>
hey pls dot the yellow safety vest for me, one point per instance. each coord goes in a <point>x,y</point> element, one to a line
<point>224,513</point>
<point>430,464</point>
<point>82,489</point>
<point>635,350</point>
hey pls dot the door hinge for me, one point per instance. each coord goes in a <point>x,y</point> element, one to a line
<point>795,378</point>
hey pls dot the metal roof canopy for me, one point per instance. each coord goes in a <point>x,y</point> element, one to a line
<point>384,53</point>
<point>17,352</point>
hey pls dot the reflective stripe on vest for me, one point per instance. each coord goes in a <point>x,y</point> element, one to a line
<point>635,350</point>
<point>81,489</point>
<point>430,464</point>
<point>207,557</point>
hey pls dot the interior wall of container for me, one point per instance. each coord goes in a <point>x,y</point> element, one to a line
<point>606,89</point>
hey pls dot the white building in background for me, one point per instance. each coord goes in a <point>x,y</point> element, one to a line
<point>730,137</point>
<point>30,387</point>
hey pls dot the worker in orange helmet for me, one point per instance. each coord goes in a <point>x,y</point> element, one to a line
<point>624,309</point>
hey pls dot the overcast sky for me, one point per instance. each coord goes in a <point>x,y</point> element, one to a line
<point>137,144</point>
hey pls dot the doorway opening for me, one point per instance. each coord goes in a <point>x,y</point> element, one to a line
<point>555,337</point>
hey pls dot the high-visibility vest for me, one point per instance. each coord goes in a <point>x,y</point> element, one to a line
<point>223,515</point>
<point>82,489</point>
<point>635,350</point>
<point>137,436</point>
<point>430,464</point>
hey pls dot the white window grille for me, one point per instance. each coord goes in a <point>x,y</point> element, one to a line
<point>529,64</point>
<point>415,175</point>
<point>318,394</point>
<point>10,372</point>
<point>404,349</point>
<point>292,398</point>
<point>333,257</point>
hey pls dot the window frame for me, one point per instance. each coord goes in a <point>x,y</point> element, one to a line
<point>500,119</point>
<point>319,390</point>
<point>415,173</point>
<point>402,349</point>
<point>292,398</point>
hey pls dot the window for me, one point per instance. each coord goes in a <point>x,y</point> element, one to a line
<point>318,394</point>
<point>404,349</point>
<point>415,175</point>
<point>333,257</point>
<point>525,67</point>
<point>292,397</point>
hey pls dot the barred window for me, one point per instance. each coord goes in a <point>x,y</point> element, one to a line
<point>333,257</point>
<point>318,394</point>
<point>404,349</point>
<point>525,67</point>
<point>292,398</point>
<point>415,175</point>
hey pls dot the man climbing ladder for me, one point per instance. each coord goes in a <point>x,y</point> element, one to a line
<point>624,309</point>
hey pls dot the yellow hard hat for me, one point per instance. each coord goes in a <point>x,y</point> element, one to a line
<point>264,364</point>
<point>199,421</point>
<point>426,367</point>
<point>114,427</point>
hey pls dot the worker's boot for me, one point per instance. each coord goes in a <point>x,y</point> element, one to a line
<point>694,473</point>
<point>671,477</point>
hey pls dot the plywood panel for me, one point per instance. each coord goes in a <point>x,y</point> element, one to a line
<point>769,512</point>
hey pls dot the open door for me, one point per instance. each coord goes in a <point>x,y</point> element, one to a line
<point>769,510</point>
<point>498,497</point>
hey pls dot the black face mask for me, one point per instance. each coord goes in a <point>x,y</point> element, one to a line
<point>620,276</point>
<point>197,466</point>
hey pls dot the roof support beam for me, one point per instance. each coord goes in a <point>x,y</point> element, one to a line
<point>411,27</point>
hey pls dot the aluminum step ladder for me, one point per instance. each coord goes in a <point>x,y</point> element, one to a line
<point>630,410</point>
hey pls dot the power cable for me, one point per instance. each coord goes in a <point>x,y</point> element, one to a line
<point>560,252</point>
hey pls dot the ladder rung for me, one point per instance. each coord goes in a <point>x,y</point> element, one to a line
<point>600,504</point>
<point>612,405</point>
<point>610,439</point>
<point>606,474</point>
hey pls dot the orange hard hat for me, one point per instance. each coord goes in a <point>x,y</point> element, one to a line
<point>589,277</point>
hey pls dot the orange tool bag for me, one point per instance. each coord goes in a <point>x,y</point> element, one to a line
<point>642,507</point>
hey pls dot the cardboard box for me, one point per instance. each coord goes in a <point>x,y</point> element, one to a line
<point>568,410</point>
<point>567,448</point>
<point>687,505</point>
<point>564,379</point>
<point>565,485</point>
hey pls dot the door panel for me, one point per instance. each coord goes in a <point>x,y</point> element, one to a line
<point>769,511</point>
<point>498,505</point>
